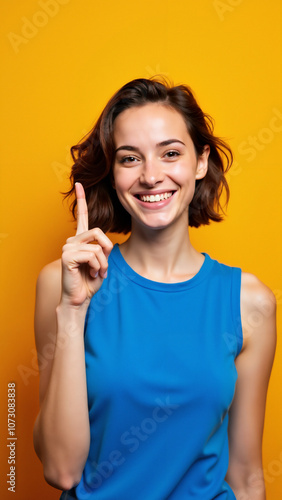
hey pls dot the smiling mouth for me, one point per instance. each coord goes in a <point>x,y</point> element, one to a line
<point>154,198</point>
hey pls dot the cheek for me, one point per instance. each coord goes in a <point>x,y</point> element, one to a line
<point>184,173</point>
<point>123,180</point>
<point>120,183</point>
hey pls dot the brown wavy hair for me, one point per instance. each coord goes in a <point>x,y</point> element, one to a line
<point>94,156</point>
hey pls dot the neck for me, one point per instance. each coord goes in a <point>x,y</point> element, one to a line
<point>162,254</point>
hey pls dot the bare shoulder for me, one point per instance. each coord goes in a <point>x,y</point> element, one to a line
<point>255,295</point>
<point>50,275</point>
<point>258,310</point>
<point>48,294</point>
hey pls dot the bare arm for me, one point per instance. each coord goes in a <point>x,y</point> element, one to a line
<point>254,363</point>
<point>61,431</point>
<point>64,290</point>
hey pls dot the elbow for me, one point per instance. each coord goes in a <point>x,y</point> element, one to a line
<point>61,479</point>
<point>248,483</point>
<point>58,471</point>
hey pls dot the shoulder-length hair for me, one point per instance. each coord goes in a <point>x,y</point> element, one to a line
<point>94,156</point>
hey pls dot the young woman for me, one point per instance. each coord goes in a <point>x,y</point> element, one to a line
<point>139,400</point>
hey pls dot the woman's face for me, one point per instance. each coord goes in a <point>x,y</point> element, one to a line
<point>155,165</point>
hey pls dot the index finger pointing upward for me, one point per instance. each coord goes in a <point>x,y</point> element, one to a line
<point>82,210</point>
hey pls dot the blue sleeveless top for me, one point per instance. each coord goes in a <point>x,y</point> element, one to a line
<point>161,378</point>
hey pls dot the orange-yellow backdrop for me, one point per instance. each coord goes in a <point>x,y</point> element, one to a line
<point>62,60</point>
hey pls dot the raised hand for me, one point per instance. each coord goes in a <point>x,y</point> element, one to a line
<point>84,264</point>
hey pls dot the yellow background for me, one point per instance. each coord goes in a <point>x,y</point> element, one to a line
<point>58,71</point>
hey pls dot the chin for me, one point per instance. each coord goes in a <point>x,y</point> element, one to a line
<point>157,225</point>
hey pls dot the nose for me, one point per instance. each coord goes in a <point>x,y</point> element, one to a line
<point>152,172</point>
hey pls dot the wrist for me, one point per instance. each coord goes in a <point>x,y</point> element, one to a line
<point>70,318</point>
<point>65,306</point>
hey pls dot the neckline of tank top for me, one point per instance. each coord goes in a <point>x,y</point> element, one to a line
<point>120,263</point>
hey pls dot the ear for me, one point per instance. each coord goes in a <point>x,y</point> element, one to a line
<point>202,164</point>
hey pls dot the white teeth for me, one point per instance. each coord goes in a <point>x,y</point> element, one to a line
<point>158,197</point>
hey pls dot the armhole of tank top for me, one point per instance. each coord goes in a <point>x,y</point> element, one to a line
<point>236,307</point>
<point>86,318</point>
<point>68,495</point>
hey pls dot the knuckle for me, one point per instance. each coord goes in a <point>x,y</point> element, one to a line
<point>65,256</point>
<point>94,231</point>
<point>98,249</point>
<point>97,231</point>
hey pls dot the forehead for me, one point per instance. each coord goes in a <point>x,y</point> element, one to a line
<point>151,119</point>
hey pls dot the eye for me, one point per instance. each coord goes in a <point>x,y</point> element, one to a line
<point>128,159</point>
<point>172,154</point>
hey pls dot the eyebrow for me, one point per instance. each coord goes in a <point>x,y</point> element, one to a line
<point>160,144</point>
